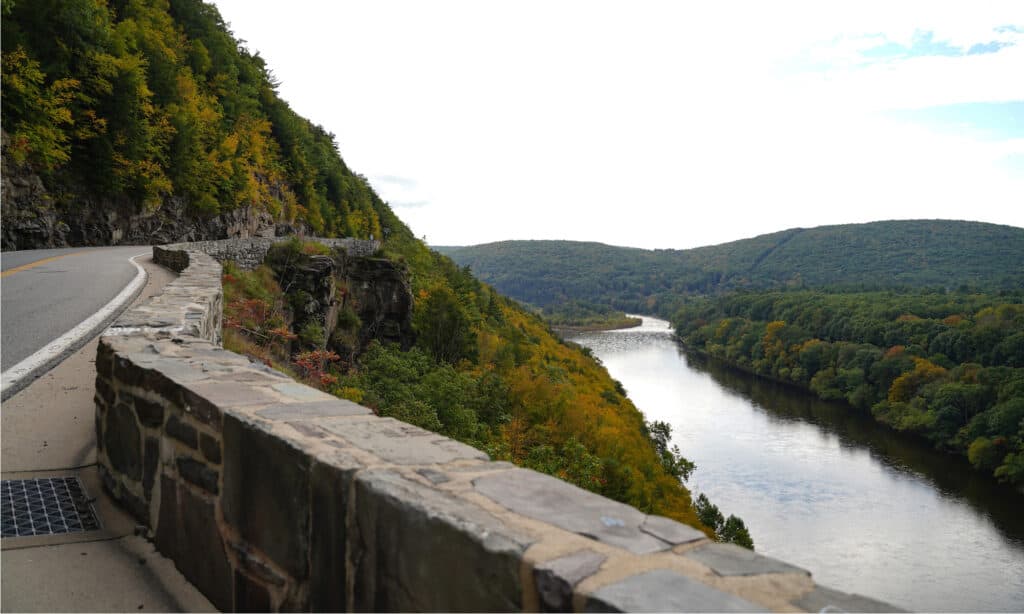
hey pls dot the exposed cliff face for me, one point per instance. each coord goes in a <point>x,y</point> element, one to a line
<point>343,301</point>
<point>381,293</point>
<point>37,216</point>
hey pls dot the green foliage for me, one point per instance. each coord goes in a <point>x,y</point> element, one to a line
<point>735,531</point>
<point>572,462</point>
<point>731,529</point>
<point>39,112</point>
<point>939,365</point>
<point>443,327</point>
<point>144,101</point>
<point>587,316</point>
<point>672,459</point>
<point>983,454</point>
<point>312,334</point>
<point>348,319</point>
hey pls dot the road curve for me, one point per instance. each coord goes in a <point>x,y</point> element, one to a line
<point>45,294</point>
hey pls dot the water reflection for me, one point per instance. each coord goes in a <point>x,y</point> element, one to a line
<point>819,485</point>
<point>949,474</point>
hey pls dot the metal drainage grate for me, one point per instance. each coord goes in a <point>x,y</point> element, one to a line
<point>45,506</point>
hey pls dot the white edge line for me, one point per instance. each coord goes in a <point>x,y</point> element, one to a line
<point>52,353</point>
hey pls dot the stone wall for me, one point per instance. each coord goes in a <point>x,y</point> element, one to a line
<point>270,495</point>
<point>249,253</point>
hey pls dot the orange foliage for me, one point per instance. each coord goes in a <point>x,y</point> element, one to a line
<point>895,350</point>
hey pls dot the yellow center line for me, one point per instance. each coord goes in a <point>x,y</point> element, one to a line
<point>30,265</point>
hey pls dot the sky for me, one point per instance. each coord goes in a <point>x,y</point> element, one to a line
<point>658,124</point>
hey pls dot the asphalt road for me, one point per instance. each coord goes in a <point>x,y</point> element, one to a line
<point>45,293</point>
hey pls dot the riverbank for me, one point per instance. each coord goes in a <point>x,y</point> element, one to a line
<point>599,326</point>
<point>801,388</point>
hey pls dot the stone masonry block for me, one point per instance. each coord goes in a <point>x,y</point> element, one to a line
<point>557,578</point>
<point>211,448</point>
<point>195,472</point>
<point>250,595</point>
<point>302,393</point>
<point>407,533</point>
<point>150,414</point>
<point>187,533</point>
<point>151,459</point>
<point>104,359</point>
<point>207,400</point>
<point>330,484</point>
<point>662,590</point>
<point>124,442</point>
<point>670,531</point>
<point>732,560</point>
<point>167,520</point>
<point>98,420</point>
<point>182,431</point>
<point>105,391</point>
<point>396,442</point>
<point>291,412</point>
<point>551,500</point>
<point>823,599</point>
<point>266,493</point>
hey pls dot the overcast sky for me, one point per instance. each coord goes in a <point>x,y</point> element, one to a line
<point>659,124</point>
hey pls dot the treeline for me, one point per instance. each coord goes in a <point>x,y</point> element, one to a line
<point>948,367</point>
<point>583,315</point>
<point>484,371</point>
<point>940,254</point>
<point>142,101</point>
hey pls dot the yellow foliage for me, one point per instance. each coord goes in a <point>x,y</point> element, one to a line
<point>905,386</point>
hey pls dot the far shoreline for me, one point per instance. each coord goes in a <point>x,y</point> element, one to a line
<point>618,324</point>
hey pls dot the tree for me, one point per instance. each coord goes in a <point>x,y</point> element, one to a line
<point>660,433</point>
<point>443,327</point>
<point>731,530</point>
<point>735,531</point>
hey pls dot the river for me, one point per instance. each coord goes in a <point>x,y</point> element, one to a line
<point>865,509</point>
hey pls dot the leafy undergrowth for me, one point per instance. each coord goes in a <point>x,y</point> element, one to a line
<point>486,372</point>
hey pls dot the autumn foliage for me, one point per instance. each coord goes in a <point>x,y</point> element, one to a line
<point>486,372</point>
<point>950,371</point>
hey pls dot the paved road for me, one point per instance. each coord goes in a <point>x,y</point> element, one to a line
<point>45,293</point>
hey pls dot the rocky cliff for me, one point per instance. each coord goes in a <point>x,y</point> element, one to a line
<point>38,214</point>
<point>344,300</point>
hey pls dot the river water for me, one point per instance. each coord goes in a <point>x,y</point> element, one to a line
<point>866,510</point>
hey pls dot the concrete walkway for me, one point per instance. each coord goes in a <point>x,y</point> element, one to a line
<point>48,430</point>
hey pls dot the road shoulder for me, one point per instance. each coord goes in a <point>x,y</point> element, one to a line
<point>48,430</point>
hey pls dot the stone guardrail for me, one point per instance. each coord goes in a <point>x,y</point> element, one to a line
<point>249,253</point>
<point>271,495</point>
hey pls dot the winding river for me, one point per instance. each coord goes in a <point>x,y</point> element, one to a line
<point>865,509</point>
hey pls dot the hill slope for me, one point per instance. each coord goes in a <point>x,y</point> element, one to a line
<point>138,122</point>
<point>890,254</point>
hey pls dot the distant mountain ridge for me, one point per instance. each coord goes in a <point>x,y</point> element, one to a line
<point>885,254</point>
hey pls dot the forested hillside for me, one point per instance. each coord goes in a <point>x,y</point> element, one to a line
<point>920,323</point>
<point>893,254</point>
<point>146,121</point>
<point>151,112</point>
<point>948,367</point>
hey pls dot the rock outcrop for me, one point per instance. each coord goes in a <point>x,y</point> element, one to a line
<point>37,216</point>
<point>345,300</point>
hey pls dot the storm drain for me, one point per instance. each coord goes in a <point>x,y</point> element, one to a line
<point>45,506</point>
